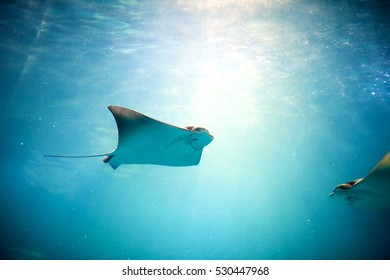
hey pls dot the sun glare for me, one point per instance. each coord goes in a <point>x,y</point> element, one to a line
<point>215,5</point>
<point>226,90</point>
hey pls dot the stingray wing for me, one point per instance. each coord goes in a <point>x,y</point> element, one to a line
<point>372,192</point>
<point>378,181</point>
<point>381,172</point>
<point>143,140</point>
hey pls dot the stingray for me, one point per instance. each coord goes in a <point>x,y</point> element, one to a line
<point>143,140</point>
<point>371,192</point>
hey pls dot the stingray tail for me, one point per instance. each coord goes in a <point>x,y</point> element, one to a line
<point>67,156</point>
<point>108,158</point>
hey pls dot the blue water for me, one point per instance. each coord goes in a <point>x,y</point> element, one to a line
<point>296,94</point>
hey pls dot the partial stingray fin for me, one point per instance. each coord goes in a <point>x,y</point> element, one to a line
<point>113,161</point>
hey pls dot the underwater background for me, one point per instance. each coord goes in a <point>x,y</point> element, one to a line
<point>295,93</point>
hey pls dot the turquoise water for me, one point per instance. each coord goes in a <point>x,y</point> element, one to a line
<point>296,94</point>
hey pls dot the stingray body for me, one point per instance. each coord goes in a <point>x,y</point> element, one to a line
<point>143,140</point>
<point>371,192</point>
